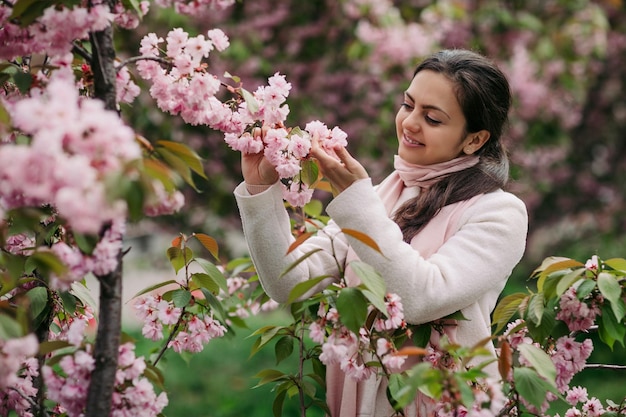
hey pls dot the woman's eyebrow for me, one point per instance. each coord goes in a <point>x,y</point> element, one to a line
<point>427,106</point>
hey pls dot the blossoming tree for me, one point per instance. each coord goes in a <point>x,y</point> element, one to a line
<point>73,173</point>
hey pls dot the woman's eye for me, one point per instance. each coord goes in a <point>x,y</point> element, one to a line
<point>407,106</point>
<point>432,121</point>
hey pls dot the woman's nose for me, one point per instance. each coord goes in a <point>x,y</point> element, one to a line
<point>411,122</point>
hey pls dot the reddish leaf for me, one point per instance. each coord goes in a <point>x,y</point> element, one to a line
<point>505,361</point>
<point>362,237</point>
<point>299,240</point>
<point>209,243</point>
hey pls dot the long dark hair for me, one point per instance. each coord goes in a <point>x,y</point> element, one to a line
<point>483,93</point>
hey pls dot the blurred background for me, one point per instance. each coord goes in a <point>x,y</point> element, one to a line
<point>348,62</point>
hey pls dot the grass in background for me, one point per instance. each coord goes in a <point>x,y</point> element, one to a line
<point>219,381</point>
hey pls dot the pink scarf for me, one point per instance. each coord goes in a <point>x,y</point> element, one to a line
<point>345,396</point>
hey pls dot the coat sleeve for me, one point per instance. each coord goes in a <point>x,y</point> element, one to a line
<point>267,229</point>
<point>476,260</point>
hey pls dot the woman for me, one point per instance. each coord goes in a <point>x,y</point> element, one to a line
<point>449,235</point>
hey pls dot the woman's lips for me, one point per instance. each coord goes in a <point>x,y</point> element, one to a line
<point>411,142</point>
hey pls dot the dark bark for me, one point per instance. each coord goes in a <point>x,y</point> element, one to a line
<point>103,66</point>
<point>107,343</point>
<point>110,315</point>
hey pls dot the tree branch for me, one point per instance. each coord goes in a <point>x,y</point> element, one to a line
<point>79,50</point>
<point>142,58</point>
<point>106,350</point>
<point>605,366</point>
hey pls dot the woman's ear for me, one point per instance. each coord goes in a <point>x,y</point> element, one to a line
<point>475,141</point>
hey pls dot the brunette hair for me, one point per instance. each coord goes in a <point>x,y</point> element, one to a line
<point>483,93</point>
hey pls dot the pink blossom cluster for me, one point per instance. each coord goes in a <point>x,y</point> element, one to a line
<point>103,260</point>
<point>75,144</point>
<point>54,32</point>
<point>160,202</point>
<point>13,352</point>
<point>569,358</point>
<point>16,396</point>
<point>73,328</point>
<point>133,394</point>
<point>489,400</point>
<point>238,289</point>
<point>185,87</point>
<point>352,352</point>
<point>188,89</point>
<point>193,7</point>
<point>579,315</point>
<point>127,18</point>
<point>382,28</point>
<point>585,406</point>
<point>285,150</point>
<point>193,330</point>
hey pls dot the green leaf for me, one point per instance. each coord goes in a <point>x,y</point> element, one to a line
<point>539,332</point>
<point>69,301</point>
<point>370,278</point>
<point>618,264</point>
<point>568,280</point>
<point>314,208</point>
<point>506,308</point>
<point>609,329</point>
<point>253,105</point>
<point>277,405</point>
<point>9,328</point>
<point>585,288</point>
<point>303,287</point>
<point>154,375</point>
<point>283,348</point>
<point>309,171</point>
<point>133,5</point>
<point>27,11</point>
<point>216,275</point>
<point>52,345</point>
<point>205,281</point>
<point>178,165</point>
<point>177,257</point>
<point>539,360</point>
<point>298,261</point>
<point>23,81</point>
<point>154,287</point>
<point>421,335</point>
<point>86,243</point>
<point>376,300</point>
<point>612,291</point>
<point>181,298</point>
<point>45,263</point>
<point>269,375</point>
<point>531,386</point>
<point>535,309</point>
<point>84,295</point>
<point>215,305</point>
<point>352,308</point>
<point>38,297</point>
<point>186,154</point>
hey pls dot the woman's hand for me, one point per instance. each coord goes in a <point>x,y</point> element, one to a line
<point>342,173</point>
<point>256,169</point>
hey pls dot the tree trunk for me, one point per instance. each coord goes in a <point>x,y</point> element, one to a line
<point>107,344</point>
<point>110,316</point>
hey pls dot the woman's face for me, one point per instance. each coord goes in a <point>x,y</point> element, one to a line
<point>430,123</point>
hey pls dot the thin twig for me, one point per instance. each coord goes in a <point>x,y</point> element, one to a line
<point>605,366</point>
<point>30,401</point>
<point>78,49</point>
<point>142,58</point>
